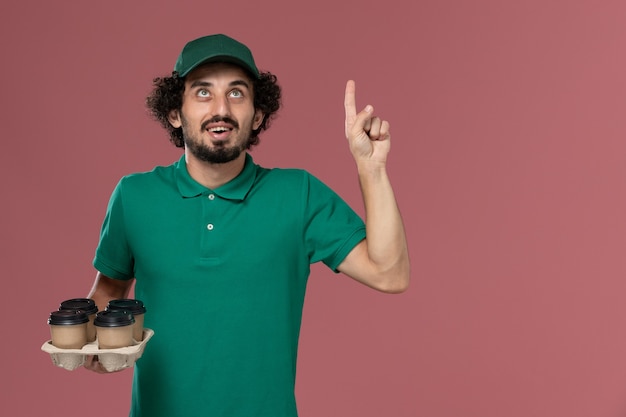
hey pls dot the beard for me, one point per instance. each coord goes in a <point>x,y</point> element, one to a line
<point>218,153</point>
<point>215,155</point>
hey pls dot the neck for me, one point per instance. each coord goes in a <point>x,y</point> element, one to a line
<point>213,175</point>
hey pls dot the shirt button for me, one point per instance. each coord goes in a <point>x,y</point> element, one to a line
<point>211,196</point>
<point>209,226</point>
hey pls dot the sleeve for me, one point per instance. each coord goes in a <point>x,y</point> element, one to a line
<point>331,228</point>
<point>113,255</point>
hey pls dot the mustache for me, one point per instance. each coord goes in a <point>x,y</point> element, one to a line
<point>217,119</point>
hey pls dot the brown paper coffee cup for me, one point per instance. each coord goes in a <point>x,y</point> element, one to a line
<point>68,329</point>
<point>86,305</point>
<point>114,329</point>
<point>136,307</point>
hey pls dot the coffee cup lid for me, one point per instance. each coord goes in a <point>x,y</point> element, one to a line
<point>117,318</point>
<point>67,317</point>
<point>85,304</point>
<point>128,304</point>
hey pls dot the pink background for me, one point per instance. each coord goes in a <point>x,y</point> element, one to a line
<point>508,160</point>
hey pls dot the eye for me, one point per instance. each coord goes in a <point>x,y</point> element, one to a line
<point>236,94</point>
<point>202,93</point>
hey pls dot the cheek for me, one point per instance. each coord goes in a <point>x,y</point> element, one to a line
<point>191,115</point>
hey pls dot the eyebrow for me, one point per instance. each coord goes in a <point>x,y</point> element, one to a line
<point>200,83</point>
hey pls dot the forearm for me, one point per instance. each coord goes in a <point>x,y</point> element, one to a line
<point>105,289</point>
<point>386,240</point>
<point>381,261</point>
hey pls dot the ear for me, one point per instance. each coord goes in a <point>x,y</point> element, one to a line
<point>174,118</point>
<point>258,119</point>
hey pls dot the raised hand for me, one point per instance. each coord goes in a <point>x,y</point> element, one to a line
<point>368,135</point>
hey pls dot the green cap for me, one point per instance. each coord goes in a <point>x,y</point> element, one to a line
<point>214,48</point>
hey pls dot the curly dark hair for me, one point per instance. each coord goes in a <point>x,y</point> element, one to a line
<point>167,95</point>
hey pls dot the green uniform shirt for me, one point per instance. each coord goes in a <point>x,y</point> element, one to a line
<point>223,275</point>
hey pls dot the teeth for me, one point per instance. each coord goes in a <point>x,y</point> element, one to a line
<point>218,129</point>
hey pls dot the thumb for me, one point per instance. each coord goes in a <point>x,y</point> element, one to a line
<point>360,120</point>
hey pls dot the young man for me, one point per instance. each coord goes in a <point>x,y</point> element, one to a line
<point>220,248</point>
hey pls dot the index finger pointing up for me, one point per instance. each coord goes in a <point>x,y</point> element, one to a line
<point>350,100</point>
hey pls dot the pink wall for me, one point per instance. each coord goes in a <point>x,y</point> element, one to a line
<point>508,161</point>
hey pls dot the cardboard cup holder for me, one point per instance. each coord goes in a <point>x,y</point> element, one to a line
<point>111,359</point>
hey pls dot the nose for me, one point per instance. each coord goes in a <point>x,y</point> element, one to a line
<point>221,106</point>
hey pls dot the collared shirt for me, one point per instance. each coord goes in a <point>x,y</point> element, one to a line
<point>223,275</point>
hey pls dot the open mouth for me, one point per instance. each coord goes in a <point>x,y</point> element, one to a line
<point>219,129</point>
<point>219,132</point>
